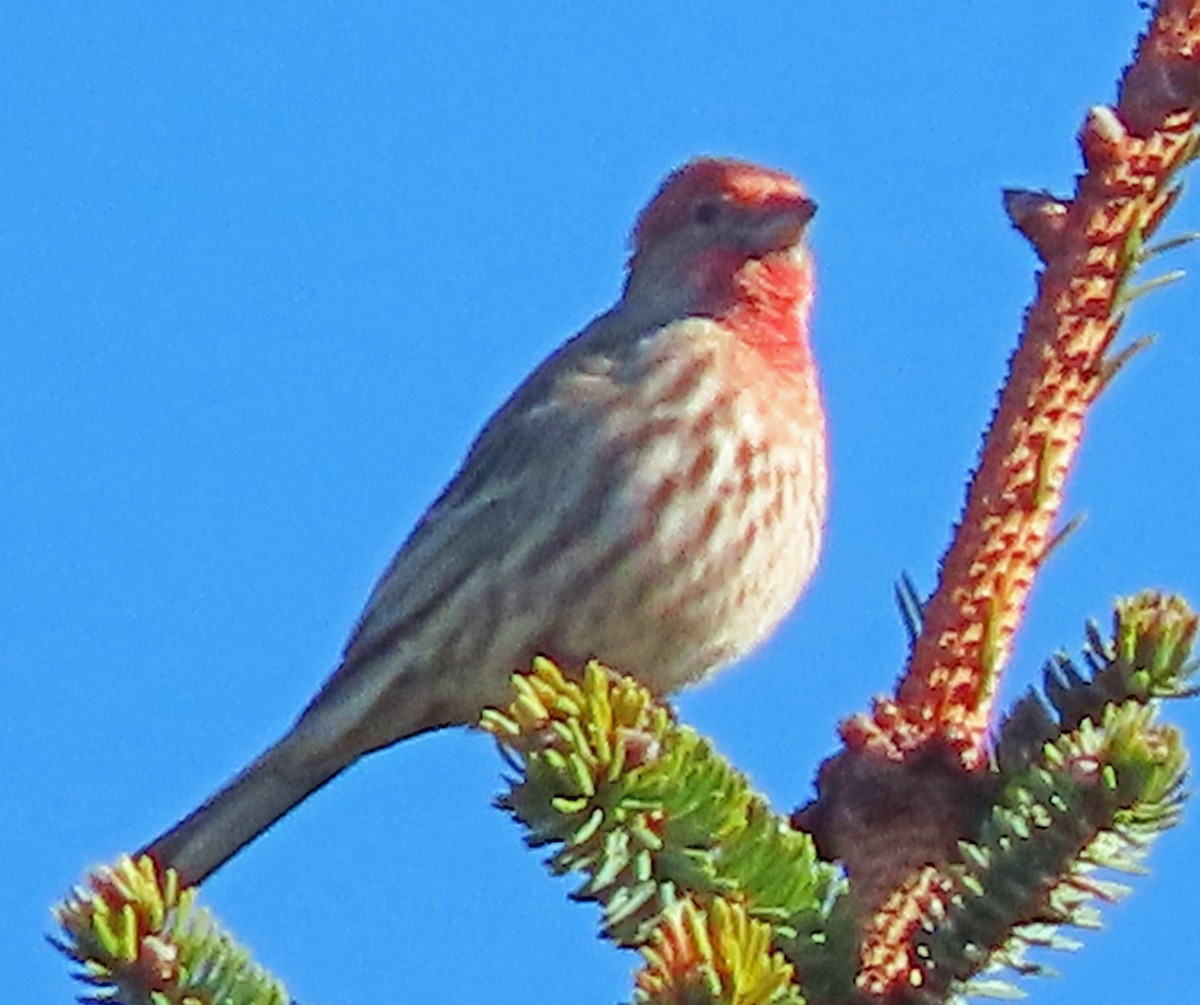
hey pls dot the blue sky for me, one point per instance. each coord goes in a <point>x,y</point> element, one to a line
<point>267,268</point>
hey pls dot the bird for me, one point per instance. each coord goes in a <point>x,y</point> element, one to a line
<point>652,496</point>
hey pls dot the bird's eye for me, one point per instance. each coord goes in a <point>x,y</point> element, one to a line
<point>707,213</point>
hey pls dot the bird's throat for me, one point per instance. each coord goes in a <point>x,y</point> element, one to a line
<point>767,303</point>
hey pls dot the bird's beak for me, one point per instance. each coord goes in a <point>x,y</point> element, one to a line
<point>784,226</point>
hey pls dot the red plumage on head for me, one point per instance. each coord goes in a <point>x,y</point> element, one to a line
<point>741,182</point>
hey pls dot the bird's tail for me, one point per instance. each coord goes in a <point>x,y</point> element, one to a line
<point>204,840</point>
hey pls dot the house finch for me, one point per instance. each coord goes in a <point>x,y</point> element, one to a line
<point>653,495</point>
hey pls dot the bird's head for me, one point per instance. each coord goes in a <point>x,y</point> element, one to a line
<point>699,244</point>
